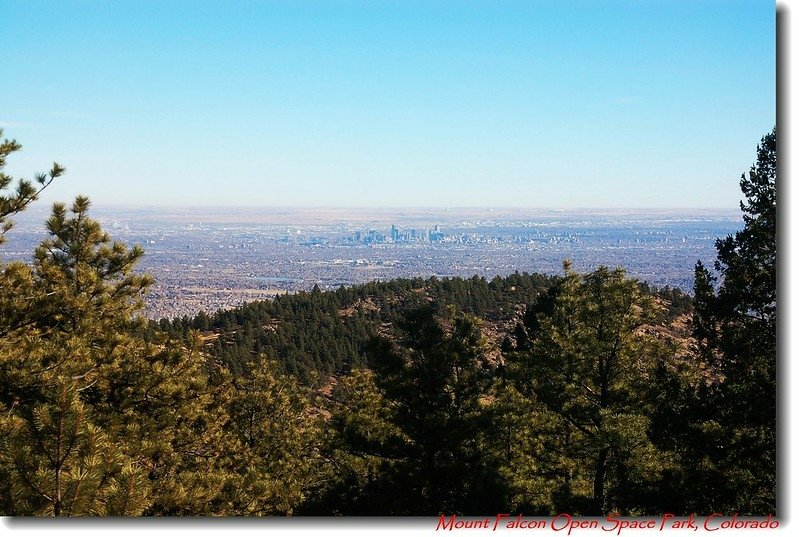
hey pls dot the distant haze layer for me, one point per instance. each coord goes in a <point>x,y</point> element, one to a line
<point>376,215</point>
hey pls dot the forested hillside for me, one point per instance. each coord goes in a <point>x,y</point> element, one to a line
<point>315,335</point>
<point>585,393</point>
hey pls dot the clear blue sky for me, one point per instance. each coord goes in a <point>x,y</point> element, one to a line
<point>630,103</point>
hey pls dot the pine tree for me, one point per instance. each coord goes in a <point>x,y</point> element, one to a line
<point>25,191</point>
<point>362,456</point>
<point>421,430</point>
<point>526,446</point>
<point>272,454</point>
<point>76,348</point>
<point>735,326</point>
<point>589,367</point>
<point>79,324</point>
<point>55,461</point>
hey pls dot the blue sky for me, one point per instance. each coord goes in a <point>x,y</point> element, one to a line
<point>437,103</point>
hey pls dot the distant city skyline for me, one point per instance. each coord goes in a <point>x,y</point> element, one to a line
<point>582,104</point>
<point>209,260</point>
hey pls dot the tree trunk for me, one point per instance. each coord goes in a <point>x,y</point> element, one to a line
<point>599,482</point>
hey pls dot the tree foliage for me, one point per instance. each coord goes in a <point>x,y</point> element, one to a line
<point>417,419</point>
<point>728,424</point>
<point>588,367</point>
<point>273,456</point>
<point>25,192</point>
<point>57,462</point>
<point>103,417</point>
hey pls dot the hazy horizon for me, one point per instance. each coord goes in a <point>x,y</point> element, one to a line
<point>433,209</point>
<point>374,216</point>
<point>445,208</point>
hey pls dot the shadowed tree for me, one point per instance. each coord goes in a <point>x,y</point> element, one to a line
<point>589,367</point>
<point>725,428</point>
<point>272,452</point>
<point>412,427</point>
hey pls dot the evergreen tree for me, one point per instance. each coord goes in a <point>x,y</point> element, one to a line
<point>272,456</point>
<point>589,367</point>
<point>729,422</point>
<point>359,452</point>
<point>526,444</point>
<point>25,191</point>
<point>55,461</point>
<point>80,378</point>
<point>422,432</point>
